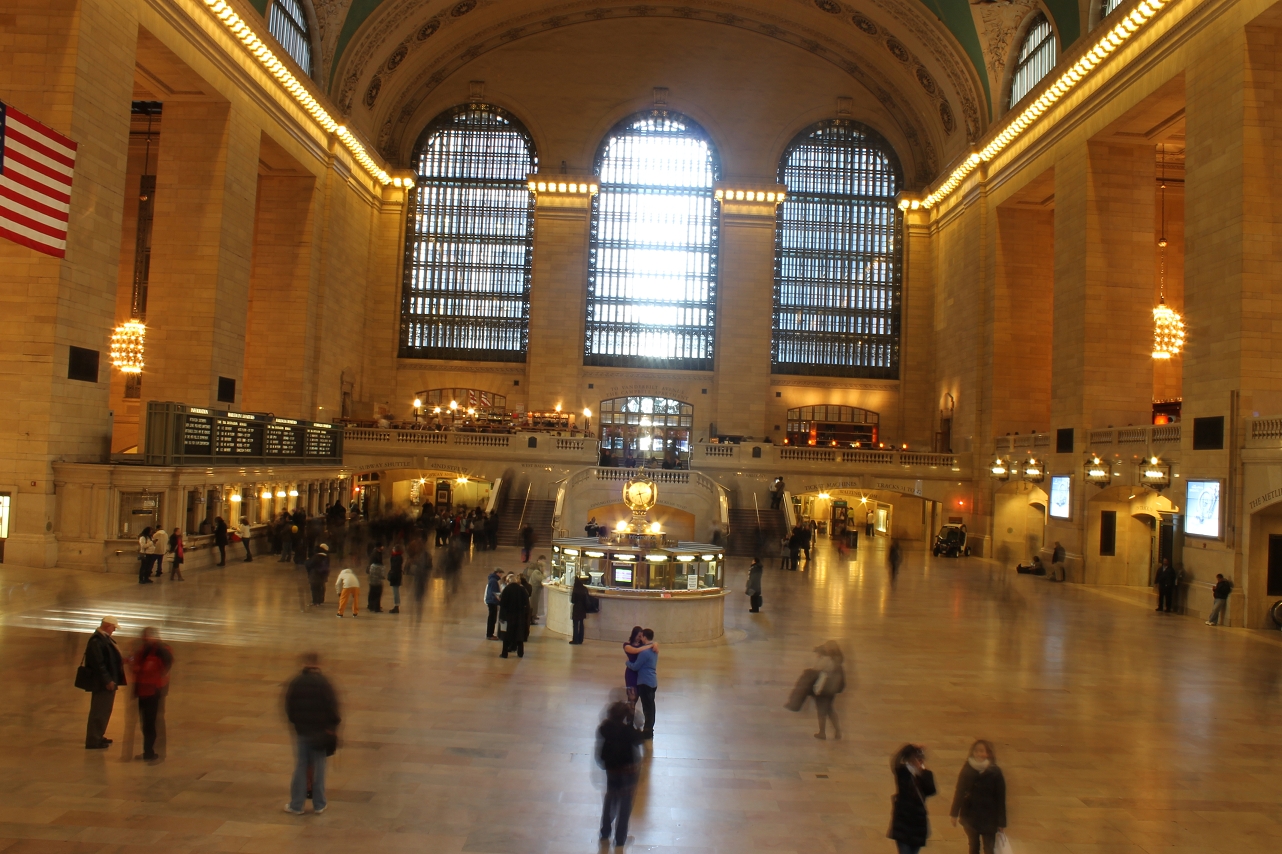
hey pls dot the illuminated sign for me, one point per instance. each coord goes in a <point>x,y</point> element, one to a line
<point>1061,504</point>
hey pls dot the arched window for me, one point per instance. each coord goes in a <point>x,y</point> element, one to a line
<point>1035,59</point>
<point>469,238</point>
<point>1108,7</point>
<point>288,23</point>
<point>838,255</point>
<point>652,264</point>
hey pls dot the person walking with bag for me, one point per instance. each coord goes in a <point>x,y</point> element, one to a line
<point>101,673</point>
<point>914,783</point>
<point>754,585</point>
<point>177,549</point>
<point>979,802</point>
<point>578,608</point>
<point>616,752</point>
<point>311,705</point>
<point>830,681</point>
<point>150,664</point>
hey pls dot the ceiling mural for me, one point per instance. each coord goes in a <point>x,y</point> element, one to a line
<point>999,22</point>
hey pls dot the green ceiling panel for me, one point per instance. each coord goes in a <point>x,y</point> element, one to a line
<point>260,5</point>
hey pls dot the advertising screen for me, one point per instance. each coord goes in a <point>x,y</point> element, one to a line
<point>1202,508</point>
<point>1061,506</point>
<point>622,575</point>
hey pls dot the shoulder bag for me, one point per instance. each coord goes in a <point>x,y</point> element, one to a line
<point>84,676</point>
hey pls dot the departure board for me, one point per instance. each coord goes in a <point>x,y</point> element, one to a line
<point>177,434</point>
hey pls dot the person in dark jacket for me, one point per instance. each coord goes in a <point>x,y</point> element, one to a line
<point>527,542</point>
<point>514,611</point>
<point>395,575</point>
<point>914,783</point>
<point>617,743</point>
<point>1164,579</point>
<point>830,681</point>
<point>578,608</point>
<point>106,672</point>
<point>220,539</point>
<point>318,573</point>
<point>377,574</point>
<point>754,585</point>
<point>1220,594</point>
<point>312,708</point>
<point>980,799</point>
<point>150,664</point>
<point>420,567</point>
<point>492,602</point>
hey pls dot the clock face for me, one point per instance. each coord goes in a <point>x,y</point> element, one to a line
<point>639,494</point>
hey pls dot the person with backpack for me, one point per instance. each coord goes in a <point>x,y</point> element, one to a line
<point>617,752</point>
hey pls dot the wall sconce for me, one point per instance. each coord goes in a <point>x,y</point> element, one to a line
<point>1155,474</point>
<point>1034,470</point>
<point>1000,469</point>
<point>293,493</point>
<point>1098,472</point>
<point>235,497</point>
<point>267,495</point>
<point>280,493</point>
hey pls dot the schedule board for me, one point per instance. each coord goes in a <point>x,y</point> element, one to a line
<point>177,434</point>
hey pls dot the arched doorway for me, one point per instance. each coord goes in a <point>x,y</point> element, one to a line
<point>832,425</point>
<point>645,431</point>
<point>1122,528</point>
<point>1019,522</point>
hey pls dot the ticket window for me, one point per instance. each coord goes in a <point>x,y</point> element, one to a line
<point>711,573</point>
<point>138,510</point>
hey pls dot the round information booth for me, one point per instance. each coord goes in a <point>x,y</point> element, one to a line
<point>640,577</point>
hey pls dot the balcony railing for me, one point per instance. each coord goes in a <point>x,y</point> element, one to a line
<point>1147,436</point>
<point>748,455</point>
<point>380,440</point>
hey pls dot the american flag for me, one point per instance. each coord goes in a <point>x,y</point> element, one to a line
<point>35,183</point>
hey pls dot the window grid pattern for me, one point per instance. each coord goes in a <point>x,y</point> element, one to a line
<point>469,239</point>
<point>652,274</point>
<point>838,256</point>
<point>1109,6</point>
<point>1036,58</point>
<point>288,23</point>
<point>647,412</point>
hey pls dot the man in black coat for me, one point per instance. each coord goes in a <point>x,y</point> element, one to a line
<point>318,573</point>
<point>1165,579</point>
<point>514,611</point>
<point>105,673</point>
<point>617,742</point>
<point>312,707</point>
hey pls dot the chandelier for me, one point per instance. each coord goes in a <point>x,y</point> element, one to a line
<point>127,346</point>
<point>1168,326</point>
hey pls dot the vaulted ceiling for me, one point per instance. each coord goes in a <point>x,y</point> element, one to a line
<point>934,68</point>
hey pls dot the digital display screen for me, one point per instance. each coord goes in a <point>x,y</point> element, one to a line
<point>1061,501</point>
<point>1202,508</point>
<point>622,575</point>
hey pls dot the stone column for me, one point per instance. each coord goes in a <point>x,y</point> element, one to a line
<point>918,407</point>
<point>202,242</point>
<point>558,303</point>
<point>70,67</point>
<point>745,308</point>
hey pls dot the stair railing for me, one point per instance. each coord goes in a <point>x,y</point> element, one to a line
<point>521,524</point>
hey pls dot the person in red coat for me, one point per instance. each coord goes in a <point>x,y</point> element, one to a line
<point>150,664</point>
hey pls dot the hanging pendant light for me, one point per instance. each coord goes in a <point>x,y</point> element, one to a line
<point>127,346</point>
<point>1168,326</point>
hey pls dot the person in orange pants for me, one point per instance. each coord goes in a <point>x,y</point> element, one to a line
<point>348,588</point>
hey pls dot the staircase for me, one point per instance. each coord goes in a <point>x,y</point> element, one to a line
<point>538,513</point>
<point>743,532</point>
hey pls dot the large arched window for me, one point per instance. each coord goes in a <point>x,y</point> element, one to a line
<point>1035,59</point>
<point>838,255</point>
<point>1107,8</point>
<point>652,274</point>
<point>288,23</point>
<point>469,239</point>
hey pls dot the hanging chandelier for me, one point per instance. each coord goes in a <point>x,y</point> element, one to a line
<point>127,346</point>
<point>1168,326</point>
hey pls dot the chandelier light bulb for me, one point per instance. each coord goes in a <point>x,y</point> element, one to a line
<point>127,346</point>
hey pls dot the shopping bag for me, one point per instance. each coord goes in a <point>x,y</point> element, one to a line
<point>1003,845</point>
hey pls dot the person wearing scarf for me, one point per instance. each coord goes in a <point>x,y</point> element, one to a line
<point>980,801</point>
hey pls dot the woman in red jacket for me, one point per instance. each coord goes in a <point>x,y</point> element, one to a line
<point>150,664</point>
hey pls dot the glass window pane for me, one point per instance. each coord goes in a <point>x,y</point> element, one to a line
<point>288,23</point>
<point>1036,58</point>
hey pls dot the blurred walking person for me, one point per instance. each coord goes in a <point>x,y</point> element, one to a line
<point>420,567</point>
<point>311,705</point>
<point>527,542</point>
<point>514,611</point>
<point>896,557</point>
<point>101,673</point>
<point>617,743</point>
<point>647,670</point>
<point>914,783</point>
<point>979,802</point>
<point>245,533</point>
<point>830,681</point>
<point>348,588</point>
<point>178,550</point>
<point>150,664</point>
<point>318,573</point>
<point>377,574</point>
<point>754,585</point>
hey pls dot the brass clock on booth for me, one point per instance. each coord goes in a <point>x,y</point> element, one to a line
<point>640,494</point>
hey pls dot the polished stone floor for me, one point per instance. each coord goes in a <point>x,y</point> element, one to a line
<point>1121,731</point>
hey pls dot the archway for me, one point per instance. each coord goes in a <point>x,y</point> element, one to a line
<point>642,430</point>
<point>1019,522</point>
<point>1121,544</point>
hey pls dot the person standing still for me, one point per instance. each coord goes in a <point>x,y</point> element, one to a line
<point>376,574</point>
<point>617,752</point>
<point>1220,593</point>
<point>514,611</point>
<point>536,577</point>
<point>914,783</point>
<point>492,602</point>
<point>220,539</point>
<point>395,575</point>
<point>869,521</point>
<point>646,667</point>
<point>578,608</point>
<point>1164,579</point>
<point>318,573</point>
<point>979,802</point>
<point>159,546</point>
<point>245,533</point>
<point>150,664</point>
<point>104,673</point>
<point>311,705</point>
<point>145,552</point>
<point>348,588</point>
<point>754,585</point>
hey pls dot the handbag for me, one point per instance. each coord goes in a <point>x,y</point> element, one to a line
<point>84,676</point>
<point>593,605</point>
<point>1003,845</point>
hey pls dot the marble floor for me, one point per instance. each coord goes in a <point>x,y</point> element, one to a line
<point>1120,731</point>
